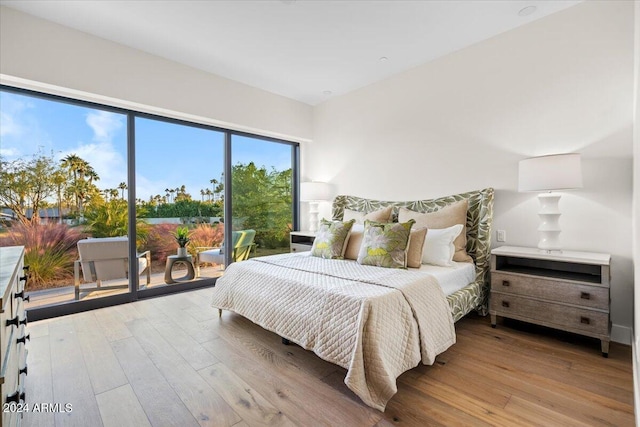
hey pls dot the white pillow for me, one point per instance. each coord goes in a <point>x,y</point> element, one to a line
<point>358,216</point>
<point>438,247</point>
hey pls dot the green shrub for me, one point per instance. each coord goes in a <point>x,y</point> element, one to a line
<point>111,220</point>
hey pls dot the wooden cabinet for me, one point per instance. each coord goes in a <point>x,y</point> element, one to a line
<point>301,241</point>
<point>13,337</point>
<point>564,290</point>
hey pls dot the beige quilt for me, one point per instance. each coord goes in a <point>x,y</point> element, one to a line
<point>375,322</point>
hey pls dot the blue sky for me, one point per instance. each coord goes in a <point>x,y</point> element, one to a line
<point>167,155</point>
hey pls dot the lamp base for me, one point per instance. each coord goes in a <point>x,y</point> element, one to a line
<point>313,216</point>
<point>549,228</point>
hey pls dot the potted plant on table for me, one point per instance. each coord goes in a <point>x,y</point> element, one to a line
<point>182,237</point>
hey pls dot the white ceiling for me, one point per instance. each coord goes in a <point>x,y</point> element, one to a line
<point>299,49</point>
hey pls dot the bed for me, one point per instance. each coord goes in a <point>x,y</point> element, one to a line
<point>375,322</point>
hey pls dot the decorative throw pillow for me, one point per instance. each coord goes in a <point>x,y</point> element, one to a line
<point>438,246</point>
<point>384,244</point>
<point>381,215</point>
<point>416,247</point>
<point>454,213</point>
<point>355,241</point>
<point>331,239</point>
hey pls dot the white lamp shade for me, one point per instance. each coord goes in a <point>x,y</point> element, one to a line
<point>555,172</point>
<point>315,191</point>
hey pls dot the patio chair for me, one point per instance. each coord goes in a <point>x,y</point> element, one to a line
<point>242,245</point>
<point>106,258</point>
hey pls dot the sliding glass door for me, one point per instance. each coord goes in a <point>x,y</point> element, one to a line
<point>63,176</point>
<point>113,205</point>
<point>262,196</point>
<point>179,192</point>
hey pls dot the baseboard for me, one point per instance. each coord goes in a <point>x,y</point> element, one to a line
<point>621,334</point>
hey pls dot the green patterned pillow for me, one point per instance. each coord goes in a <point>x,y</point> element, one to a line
<point>385,244</point>
<point>331,239</point>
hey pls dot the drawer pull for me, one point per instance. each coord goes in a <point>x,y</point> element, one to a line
<point>16,321</point>
<point>24,278</point>
<point>23,339</point>
<point>15,397</point>
<point>23,371</point>
<point>585,320</point>
<point>505,304</point>
<point>506,283</point>
<point>21,295</point>
<point>25,268</point>
<point>585,295</point>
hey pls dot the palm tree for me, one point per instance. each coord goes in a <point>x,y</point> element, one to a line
<point>202,195</point>
<point>91,174</point>
<point>79,169</point>
<point>59,180</point>
<point>122,186</point>
<point>218,194</point>
<point>213,184</point>
<point>72,163</point>
<point>171,191</point>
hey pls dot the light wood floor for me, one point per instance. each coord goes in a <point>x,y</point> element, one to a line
<point>171,361</point>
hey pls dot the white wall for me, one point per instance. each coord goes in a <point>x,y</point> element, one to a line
<point>560,84</point>
<point>96,69</point>
<point>636,213</point>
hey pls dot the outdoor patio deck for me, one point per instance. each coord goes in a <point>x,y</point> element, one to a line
<point>65,294</point>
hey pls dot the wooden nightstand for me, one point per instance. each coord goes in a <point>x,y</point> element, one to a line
<point>563,290</point>
<point>301,241</point>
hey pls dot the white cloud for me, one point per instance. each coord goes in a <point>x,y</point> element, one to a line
<point>8,125</point>
<point>20,130</point>
<point>9,152</point>
<point>104,124</point>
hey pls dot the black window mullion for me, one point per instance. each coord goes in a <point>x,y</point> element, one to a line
<point>132,214</point>
<point>228,208</point>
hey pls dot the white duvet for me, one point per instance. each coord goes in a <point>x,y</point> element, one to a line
<point>375,322</point>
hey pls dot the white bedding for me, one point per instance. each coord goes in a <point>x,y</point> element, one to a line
<point>375,322</point>
<point>452,278</point>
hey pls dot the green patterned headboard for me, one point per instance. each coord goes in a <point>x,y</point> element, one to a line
<point>479,217</point>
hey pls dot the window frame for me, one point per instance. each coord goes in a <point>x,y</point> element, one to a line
<point>135,294</point>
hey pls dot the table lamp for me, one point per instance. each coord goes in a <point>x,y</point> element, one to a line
<point>314,193</point>
<point>547,174</point>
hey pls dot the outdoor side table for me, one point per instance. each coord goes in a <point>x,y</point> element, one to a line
<point>172,260</point>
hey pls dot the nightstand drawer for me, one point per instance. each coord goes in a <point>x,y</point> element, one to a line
<point>551,289</point>
<point>298,247</point>
<point>559,316</point>
<point>301,241</point>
